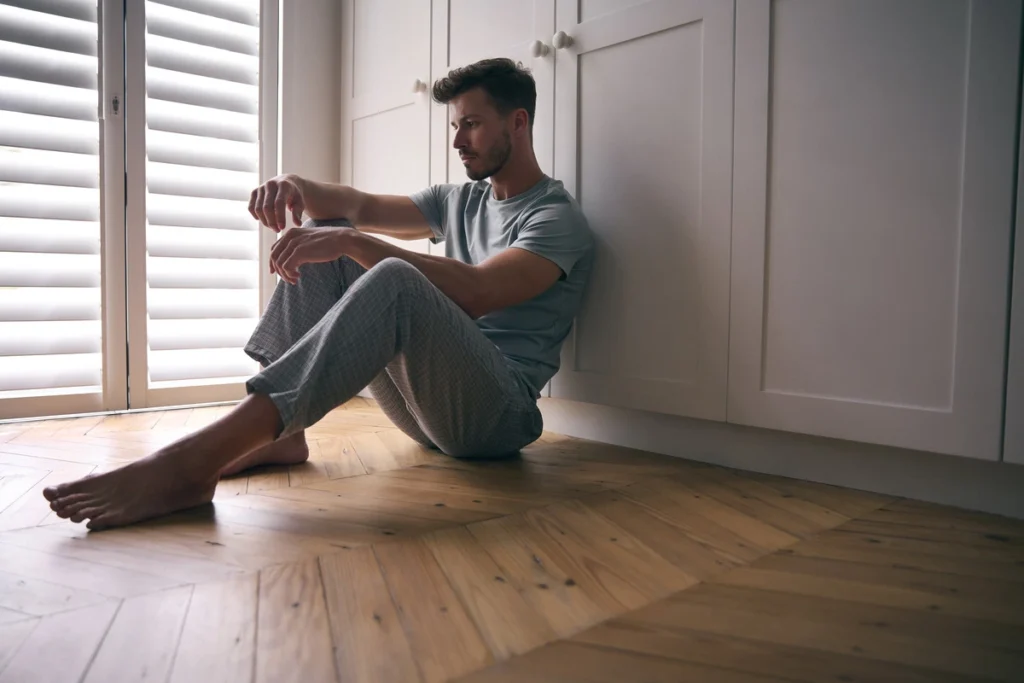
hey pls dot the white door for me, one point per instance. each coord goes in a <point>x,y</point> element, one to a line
<point>386,99</point>
<point>643,135</point>
<point>469,30</point>
<point>871,222</point>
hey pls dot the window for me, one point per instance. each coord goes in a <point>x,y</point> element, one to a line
<point>130,138</point>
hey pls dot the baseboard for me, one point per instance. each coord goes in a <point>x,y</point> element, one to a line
<point>962,482</point>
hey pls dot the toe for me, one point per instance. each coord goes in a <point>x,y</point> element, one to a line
<point>87,513</point>
<point>51,493</point>
<point>77,506</point>
<point>64,501</point>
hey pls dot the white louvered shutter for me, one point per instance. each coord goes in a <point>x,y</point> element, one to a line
<point>50,298</point>
<point>202,161</point>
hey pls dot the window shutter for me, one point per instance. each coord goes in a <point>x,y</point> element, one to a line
<point>50,331</point>
<point>202,149</point>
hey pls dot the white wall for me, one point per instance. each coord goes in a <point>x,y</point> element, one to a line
<point>310,88</point>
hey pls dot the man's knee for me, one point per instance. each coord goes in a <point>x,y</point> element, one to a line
<point>393,272</point>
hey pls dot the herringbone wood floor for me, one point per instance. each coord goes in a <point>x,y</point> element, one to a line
<point>380,561</point>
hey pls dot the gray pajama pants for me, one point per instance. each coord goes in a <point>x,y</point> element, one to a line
<point>433,372</point>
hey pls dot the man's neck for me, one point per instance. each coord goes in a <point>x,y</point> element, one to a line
<point>516,178</point>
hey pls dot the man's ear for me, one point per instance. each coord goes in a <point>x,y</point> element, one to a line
<point>521,121</point>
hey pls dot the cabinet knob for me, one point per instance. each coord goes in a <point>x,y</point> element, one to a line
<point>561,40</point>
<point>539,49</point>
<point>419,86</point>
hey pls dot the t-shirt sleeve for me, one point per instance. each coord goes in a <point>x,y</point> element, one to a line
<point>430,201</point>
<point>558,233</point>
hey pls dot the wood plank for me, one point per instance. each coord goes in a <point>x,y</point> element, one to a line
<point>990,544</point>
<point>508,624</point>
<point>39,598</point>
<point>229,487</point>
<point>127,422</point>
<point>61,646</point>
<point>1000,600</point>
<point>518,548</point>
<point>790,662</point>
<point>267,478</point>
<point>293,638</point>
<point>697,558</point>
<point>865,536</point>
<point>173,419</point>
<point>854,548</point>
<point>444,640</point>
<point>369,643</point>
<point>141,642</point>
<point>17,481</point>
<point>12,635</point>
<point>841,627</point>
<point>218,640</point>
<point>679,511</point>
<point>848,502</point>
<point>74,542</point>
<point>606,554</point>
<point>942,518</point>
<point>110,581</point>
<point>338,456</point>
<point>570,662</point>
<point>866,593</point>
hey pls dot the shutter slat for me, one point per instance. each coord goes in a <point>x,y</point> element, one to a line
<point>22,373</point>
<point>43,201</point>
<point>193,27</point>
<point>179,242</point>
<point>167,304</point>
<point>192,181</point>
<point>177,55</point>
<point>60,101</point>
<point>188,364</point>
<point>175,117</point>
<point>173,86</point>
<point>239,11</point>
<point>49,133</point>
<point>50,337</point>
<point>49,270</point>
<point>26,27</point>
<point>199,212</point>
<point>73,9</point>
<point>170,335</point>
<point>192,150</point>
<point>48,168</point>
<point>49,237</point>
<point>49,303</point>
<point>199,273</point>
<point>32,63</point>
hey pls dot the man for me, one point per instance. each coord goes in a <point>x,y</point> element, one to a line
<point>455,349</point>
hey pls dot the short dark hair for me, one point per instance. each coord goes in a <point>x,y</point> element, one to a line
<point>509,85</point>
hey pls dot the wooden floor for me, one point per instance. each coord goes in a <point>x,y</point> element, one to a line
<point>379,561</point>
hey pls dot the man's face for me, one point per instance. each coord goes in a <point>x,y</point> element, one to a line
<point>481,134</point>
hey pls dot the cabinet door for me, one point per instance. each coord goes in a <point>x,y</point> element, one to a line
<point>470,30</point>
<point>873,190</point>
<point>385,98</point>
<point>643,140</point>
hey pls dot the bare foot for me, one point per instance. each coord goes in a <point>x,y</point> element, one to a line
<point>291,450</point>
<point>157,485</point>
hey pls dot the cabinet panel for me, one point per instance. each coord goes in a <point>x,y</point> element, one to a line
<point>872,196</point>
<point>385,98</point>
<point>643,135</point>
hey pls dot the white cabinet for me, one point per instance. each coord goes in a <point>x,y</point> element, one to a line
<point>385,146</point>
<point>643,139</point>
<point>466,31</point>
<point>873,189</point>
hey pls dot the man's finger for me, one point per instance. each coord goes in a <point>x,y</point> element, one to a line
<point>297,209</point>
<point>267,205</point>
<point>252,203</point>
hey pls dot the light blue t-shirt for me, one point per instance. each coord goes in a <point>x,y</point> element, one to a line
<point>545,220</point>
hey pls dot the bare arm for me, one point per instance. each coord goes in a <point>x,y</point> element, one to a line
<point>506,279</point>
<point>392,215</point>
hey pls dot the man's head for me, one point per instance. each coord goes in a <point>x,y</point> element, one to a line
<point>493,103</point>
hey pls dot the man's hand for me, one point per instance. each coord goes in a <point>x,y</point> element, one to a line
<point>298,246</point>
<point>270,202</point>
